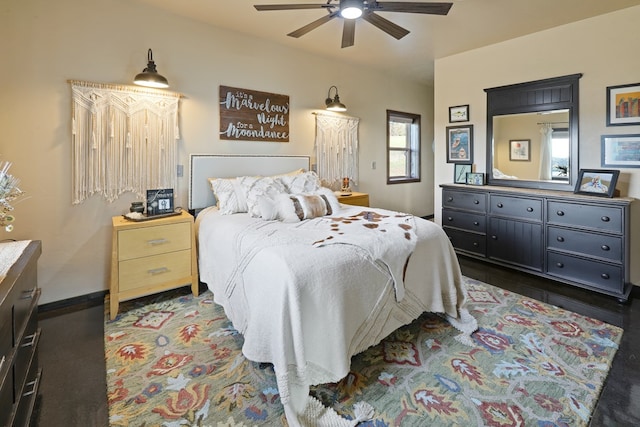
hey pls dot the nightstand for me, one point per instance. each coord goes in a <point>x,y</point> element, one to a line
<point>152,256</point>
<point>357,199</point>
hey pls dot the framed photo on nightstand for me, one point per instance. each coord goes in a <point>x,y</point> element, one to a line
<point>160,201</point>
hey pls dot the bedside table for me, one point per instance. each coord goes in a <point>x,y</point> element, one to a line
<point>357,199</point>
<point>151,256</point>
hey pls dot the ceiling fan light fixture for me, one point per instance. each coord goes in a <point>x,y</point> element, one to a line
<point>334,104</point>
<point>149,77</point>
<point>351,9</point>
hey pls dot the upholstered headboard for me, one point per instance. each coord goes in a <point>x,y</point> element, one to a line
<point>204,166</point>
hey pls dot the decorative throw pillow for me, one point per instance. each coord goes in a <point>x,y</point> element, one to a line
<point>306,182</point>
<point>255,188</point>
<point>297,207</point>
<point>230,198</point>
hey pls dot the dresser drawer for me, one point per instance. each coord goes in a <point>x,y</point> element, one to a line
<point>24,296</point>
<point>516,207</point>
<point>146,241</point>
<point>28,396</point>
<point>466,200</point>
<point>153,270</point>
<point>606,218</point>
<point>583,242</point>
<point>6,398</point>
<point>464,220</point>
<point>600,275</point>
<point>468,242</point>
<point>6,336</point>
<point>25,353</point>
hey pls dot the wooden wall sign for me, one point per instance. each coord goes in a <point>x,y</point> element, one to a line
<point>250,115</point>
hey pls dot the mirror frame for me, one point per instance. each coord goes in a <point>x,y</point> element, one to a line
<point>556,93</point>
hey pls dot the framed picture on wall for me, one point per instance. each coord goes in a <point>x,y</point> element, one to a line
<point>519,150</point>
<point>597,182</point>
<point>460,144</point>
<point>459,113</point>
<point>623,105</point>
<point>620,151</point>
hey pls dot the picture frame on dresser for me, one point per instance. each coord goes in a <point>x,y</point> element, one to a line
<point>460,172</point>
<point>597,182</point>
<point>475,178</point>
<point>460,144</point>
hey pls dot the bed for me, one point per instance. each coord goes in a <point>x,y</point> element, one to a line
<point>309,291</point>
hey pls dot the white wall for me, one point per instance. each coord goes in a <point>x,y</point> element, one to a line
<point>602,48</point>
<point>45,43</point>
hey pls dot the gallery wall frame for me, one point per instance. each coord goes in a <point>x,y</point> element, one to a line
<point>623,105</point>
<point>460,144</point>
<point>620,151</point>
<point>597,182</point>
<point>520,150</point>
<point>459,113</point>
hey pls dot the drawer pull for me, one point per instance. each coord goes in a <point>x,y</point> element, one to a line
<point>476,244</point>
<point>34,386</point>
<point>529,209</point>
<point>29,293</point>
<point>605,219</point>
<point>494,237</point>
<point>160,270</point>
<point>476,202</point>
<point>2,361</point>
<point>500,205</point>
<point>605,247</point>
<point>604,276</point>
<point>449,199</point>
<point>30,340</point>
<point>156,242</point>
<point>449,218</point>
<point>560,239</point>
<point>560,213</point>
<point>559,265</point>
<point>476,223</point>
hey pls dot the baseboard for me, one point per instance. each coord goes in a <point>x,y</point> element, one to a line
<point>72,304</point>
<point>428,217</point>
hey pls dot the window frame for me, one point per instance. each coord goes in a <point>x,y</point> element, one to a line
<point>413,151</point>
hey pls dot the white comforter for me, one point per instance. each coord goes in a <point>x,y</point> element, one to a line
<point>308,308</point>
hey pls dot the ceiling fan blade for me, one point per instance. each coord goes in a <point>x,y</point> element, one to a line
<point>348,32</point>
<point>263,7</point>
<point>404,6</point>
<point>385,25</point>
<point>313,25</point>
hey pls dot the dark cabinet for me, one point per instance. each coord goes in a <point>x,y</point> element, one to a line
<point>19,332</point>
<point>574,239</point>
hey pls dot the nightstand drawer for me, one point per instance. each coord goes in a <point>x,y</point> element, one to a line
<point>154,270</point>
<point>143,242</point>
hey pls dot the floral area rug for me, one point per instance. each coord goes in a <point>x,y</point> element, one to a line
<point>175,360</point>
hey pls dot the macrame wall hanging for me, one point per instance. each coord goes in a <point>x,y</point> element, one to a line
<point>123,138</point>
<point>336,149</point>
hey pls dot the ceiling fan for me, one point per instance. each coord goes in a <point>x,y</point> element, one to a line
<point>350,10</point>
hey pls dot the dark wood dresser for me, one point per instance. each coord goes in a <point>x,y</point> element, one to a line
<point>19,334</point>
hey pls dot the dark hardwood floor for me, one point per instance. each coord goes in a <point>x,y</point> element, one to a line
<point>73,387</point>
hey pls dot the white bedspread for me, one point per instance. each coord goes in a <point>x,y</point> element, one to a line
<point>308,308</point>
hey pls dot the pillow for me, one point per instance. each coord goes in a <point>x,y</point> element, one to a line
<point>230,198</point>
<point>305,182</point>
<point>297,207</point>
<point>255,188</point>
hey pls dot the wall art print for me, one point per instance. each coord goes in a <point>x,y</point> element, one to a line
<point>250,115</point>
<point>623,105</point>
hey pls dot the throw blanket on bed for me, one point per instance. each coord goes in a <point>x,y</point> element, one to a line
<point>389,239</point>
<point>308,309</point>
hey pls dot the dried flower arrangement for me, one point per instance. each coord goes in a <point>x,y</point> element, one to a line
<point>9,192</point>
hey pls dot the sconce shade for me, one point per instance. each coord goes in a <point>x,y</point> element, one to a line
<point>334,104</point>
<point>149,77</point>
<point>351,9</point>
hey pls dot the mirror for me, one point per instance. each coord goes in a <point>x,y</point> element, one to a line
<point>532,132</point>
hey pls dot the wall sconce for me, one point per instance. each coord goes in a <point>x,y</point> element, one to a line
<point>149,77</point>
<point>334,104</point>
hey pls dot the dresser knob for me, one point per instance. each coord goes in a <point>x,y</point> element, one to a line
<point>605,247</point>
<point>494,237</point>
<point>605,219</point>
<point>476,223</point>
<point>604,275</point>
<point>449,199</point>
<point>476,202</point>
<point>476,244</point>
<point>560,213</point>
<point>560,239</point>
<point>449,218</point>
<point>499,205</point>
<point>559,264</point>
<point>529,209</point>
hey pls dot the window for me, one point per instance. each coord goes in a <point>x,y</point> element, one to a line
<point>559,154</point>
<point>403,147</point>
